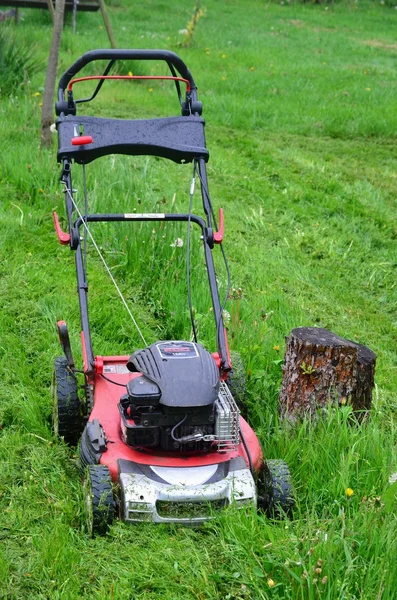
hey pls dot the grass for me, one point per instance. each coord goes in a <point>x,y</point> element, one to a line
<point>301,127</point>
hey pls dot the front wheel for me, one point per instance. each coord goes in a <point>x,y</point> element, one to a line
<point>276,495</point>
<point>99,504</point>
<point>67,415</point>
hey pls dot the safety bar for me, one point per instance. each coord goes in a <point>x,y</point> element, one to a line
<point>114,54</point>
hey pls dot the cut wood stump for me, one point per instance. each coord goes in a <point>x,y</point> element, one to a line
<point>321,368</point>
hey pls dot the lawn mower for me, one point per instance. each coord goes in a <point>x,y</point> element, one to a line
<point>160,434</point>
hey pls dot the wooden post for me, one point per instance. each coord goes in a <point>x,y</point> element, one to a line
<point>321,367</point>
<point>74,14</point>
<point>51,9</point>
<point>106,20</point>
<point>47,110</point>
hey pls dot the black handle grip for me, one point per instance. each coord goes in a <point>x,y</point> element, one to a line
<point>166,55</point>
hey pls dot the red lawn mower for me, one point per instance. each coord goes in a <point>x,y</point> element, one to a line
<point>160,432</point>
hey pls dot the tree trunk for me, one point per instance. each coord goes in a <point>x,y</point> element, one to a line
<point>321,368</point>
<point>47,111</point>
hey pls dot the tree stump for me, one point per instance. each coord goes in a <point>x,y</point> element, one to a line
<point>321,368</point>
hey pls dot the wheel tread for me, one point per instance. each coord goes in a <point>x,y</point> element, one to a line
<point>278,491</point>
<point>68,412</point>
<point>101,504</point>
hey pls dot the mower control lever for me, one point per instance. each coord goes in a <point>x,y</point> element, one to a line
<point>115,54</point>
<point>218,235</point>
<point>63,237</point>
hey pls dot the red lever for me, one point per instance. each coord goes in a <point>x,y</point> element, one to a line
<point>82,140</point>
<point>63,237</point>
<point>218,236</point>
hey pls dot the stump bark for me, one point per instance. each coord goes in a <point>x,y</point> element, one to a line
<point>321,368</point>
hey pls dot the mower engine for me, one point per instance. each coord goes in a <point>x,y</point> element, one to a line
<point>177,402</point>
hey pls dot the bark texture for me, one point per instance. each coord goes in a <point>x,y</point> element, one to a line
<point>320,367</point>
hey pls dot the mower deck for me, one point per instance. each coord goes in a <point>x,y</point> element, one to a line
<point>159,486</point>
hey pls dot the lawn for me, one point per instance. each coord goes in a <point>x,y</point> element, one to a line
<point>299,103</point>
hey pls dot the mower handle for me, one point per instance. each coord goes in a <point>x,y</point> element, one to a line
<point>169,57</point>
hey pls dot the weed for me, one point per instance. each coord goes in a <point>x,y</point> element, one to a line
<point>307,369</point>
<point>18,63</point>
<point>188,33</point>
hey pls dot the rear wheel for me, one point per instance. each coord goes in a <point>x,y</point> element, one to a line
<point>67,416</point>
<point>276,495</point>
<point>237,381</point>
<point>99,504</point>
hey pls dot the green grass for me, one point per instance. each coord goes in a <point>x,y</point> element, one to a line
<point>299,103</point>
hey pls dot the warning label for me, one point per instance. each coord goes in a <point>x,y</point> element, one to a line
<point>119,369</point>
<point>177,350</point>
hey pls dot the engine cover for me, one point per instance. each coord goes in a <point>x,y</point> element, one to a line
<point>185,372</point>
<point>172,404</point>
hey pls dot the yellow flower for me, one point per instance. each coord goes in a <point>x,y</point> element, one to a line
<point>349,492</point>
<point>100,27</point>
<point>367,89</point>
<point>224,55</point>
<point>276,348</point>
<point>270,583</point>
<point>40,104</point>
<point>130,73</point>
<point>150,89</point>
<point>207,52</point>
<point>252,68</point>
<point>36,94</point>
<point>223,78</point>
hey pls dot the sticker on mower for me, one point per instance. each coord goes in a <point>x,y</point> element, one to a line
<point>119,369</point>
<point>177,350</point>
<point>141,216</point>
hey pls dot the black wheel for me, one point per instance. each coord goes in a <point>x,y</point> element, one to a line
<point>67,416</point>
<point>99,505</point>
<point>276,495</point>
<point>237,381</point>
